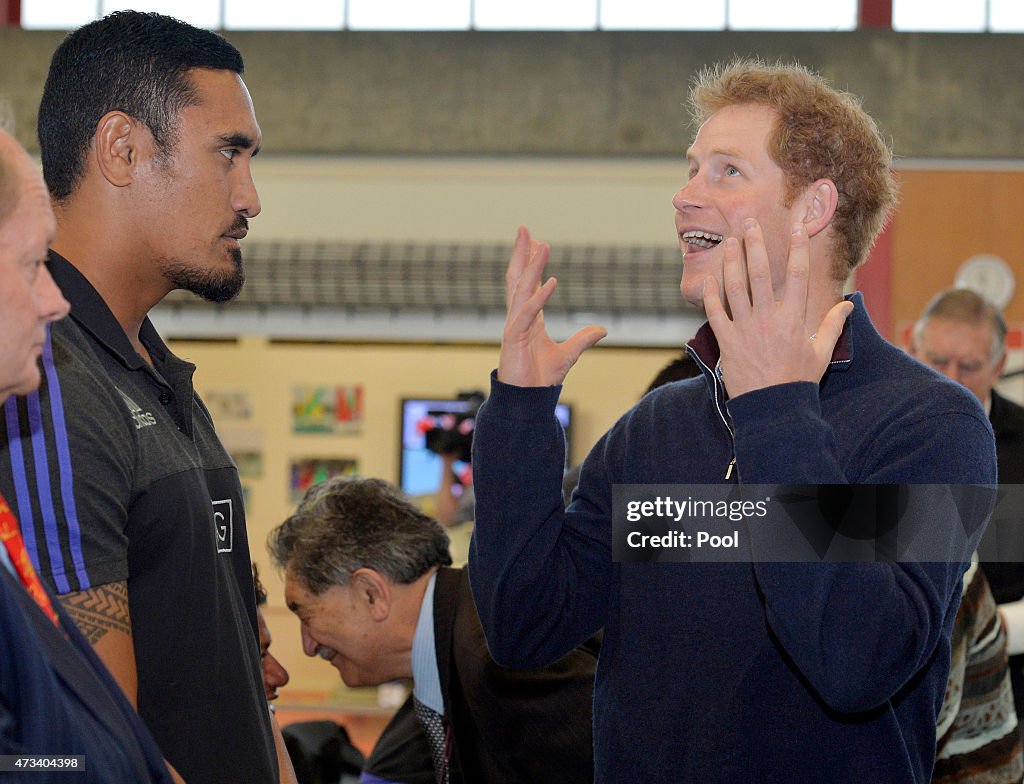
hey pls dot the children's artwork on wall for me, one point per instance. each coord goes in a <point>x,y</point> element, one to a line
<point>228,405</point>
<point>245,445</point>
<point>249,464</point>
<point>337,409</point>
<point>308,471</point>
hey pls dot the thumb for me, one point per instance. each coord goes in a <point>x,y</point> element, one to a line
<point>830,329</point>
<point>581,341</point>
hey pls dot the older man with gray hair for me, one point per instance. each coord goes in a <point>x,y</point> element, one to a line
<point>963,336</point>
<point>368,574</point>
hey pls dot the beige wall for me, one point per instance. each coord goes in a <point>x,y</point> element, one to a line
<point>604,384</point>
<point>467,199</point>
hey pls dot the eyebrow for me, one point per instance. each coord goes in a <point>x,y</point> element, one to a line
<point>719,153</point>
<point>243,140</point>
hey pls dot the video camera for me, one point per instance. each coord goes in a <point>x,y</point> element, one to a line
<point>451,433</point>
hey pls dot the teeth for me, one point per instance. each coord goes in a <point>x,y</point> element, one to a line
<point>702,235</point>
<point>325,653</point>
<point>702,239</point>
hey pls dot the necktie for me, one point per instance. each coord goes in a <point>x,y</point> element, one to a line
<point>439,738</point>
<point>10,534</point>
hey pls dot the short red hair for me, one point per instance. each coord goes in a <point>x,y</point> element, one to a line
<point>819,133</point>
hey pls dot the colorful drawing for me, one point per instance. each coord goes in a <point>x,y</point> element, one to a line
<point>336,409</point>
<point>306,472</point>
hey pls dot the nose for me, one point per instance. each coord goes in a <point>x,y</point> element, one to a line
<point>245,200</point>
<point>689,195</point>
<point>274,672</point>
<point>51,303</point>
<point>308,643</point>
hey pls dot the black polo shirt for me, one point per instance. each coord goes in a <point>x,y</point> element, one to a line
<point>116,473</point>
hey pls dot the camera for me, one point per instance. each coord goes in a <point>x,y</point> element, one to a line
<point>451,432</point>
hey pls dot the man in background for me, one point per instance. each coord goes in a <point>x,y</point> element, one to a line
<point>274,674</point>
<point>56,697</point>
<point>978,737</point>
<point>125,494</point>
<point>367,574</point>
<point>963,336</point>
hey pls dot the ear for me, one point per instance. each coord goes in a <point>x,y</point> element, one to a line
<point>912,345</point>
<point>820,201</point>
<point>998,369</point>
<point>118,146</point>
<point>372,591</point>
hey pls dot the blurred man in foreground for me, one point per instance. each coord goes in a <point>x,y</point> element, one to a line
<point>56,697</point>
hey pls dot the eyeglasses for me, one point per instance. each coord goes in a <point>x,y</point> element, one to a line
<point>964,368</point>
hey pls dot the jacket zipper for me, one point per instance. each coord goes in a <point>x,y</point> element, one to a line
<point>718,407</point>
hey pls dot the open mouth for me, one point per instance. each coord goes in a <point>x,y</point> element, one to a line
<point>701,239</point>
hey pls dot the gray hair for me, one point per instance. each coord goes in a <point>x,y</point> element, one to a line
<point>345,524</point>
<point>967,307</point>
<point>9,190</point>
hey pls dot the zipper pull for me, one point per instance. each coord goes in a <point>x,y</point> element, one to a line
<point>728,471</point>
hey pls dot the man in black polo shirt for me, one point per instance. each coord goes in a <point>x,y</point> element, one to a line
<point>124,492</point>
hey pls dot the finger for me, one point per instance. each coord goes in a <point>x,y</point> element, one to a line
<point>759,271</point>
<point>830,329</point>
<point>714,309</point>
<point>517,262</point>
<point>734,279</point>
<point>529,281</point>
<point>581,341</point>
<point>794,294</point>
<point>523,315</point>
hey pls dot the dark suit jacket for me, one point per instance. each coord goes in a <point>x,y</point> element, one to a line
<point>507,726</point>
<point>56,697</point>
<point>1008,423</point>
<point>1007,579</point>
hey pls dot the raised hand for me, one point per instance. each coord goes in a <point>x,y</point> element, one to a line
<point>529,357</point>
<point>768,341</point>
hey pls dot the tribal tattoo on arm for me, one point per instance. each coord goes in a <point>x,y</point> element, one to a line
<point>99,610</point>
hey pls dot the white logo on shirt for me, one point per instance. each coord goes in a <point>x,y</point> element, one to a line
<point>223,524</point>
<point>141,418</point>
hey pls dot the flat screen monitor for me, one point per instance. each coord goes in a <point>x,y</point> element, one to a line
<point>419,472</point>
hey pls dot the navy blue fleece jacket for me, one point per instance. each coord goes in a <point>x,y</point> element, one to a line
<point>767,672</point>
